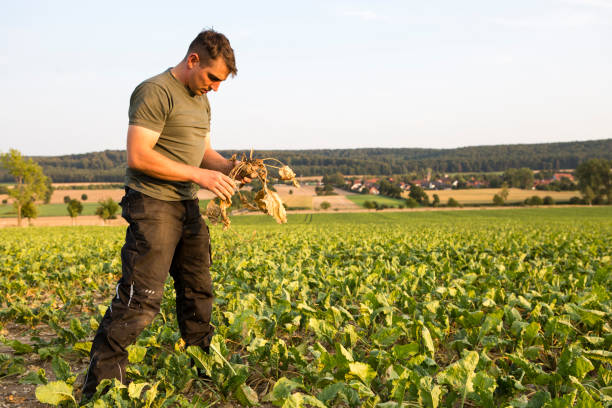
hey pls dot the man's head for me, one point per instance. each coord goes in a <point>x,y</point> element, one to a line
<point>209,60</point>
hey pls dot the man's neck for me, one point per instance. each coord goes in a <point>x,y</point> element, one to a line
<point>180,72</point>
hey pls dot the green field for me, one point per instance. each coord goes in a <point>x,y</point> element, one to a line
<point>48,210</point>
<point>508,308</point>
<point>359,199</point>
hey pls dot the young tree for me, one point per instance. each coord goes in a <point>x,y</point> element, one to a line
<point>47,196</point>
<point>588,195</point>
<point>595,180</point>
<point>504,192</point>
<point>107,210</point>
<point>418,194</point>
<point>436,200</point>
<point>498,200</point>
<point>30,181</point>
<point>519,178</point>
<point>411,203</point>
<point>453,203</point>
<point>74,208</point>
<point>29,211</point>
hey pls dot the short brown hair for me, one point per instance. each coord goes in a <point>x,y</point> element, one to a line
<point>210,45</point>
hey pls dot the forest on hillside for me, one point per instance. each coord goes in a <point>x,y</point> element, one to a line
<point>109,165</point>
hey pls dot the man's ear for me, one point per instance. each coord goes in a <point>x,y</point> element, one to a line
<point>193,60</point>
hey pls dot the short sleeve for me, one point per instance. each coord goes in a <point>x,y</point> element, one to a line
<point>149,106</point>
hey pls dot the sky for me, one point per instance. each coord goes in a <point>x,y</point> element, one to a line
<point>315,74</point>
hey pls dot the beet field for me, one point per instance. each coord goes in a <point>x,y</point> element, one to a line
<point>489,308</point>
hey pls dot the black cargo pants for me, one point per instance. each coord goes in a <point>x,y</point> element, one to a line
<point>162,237</point>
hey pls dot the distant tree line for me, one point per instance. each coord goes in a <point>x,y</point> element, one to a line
<point>109,165</point>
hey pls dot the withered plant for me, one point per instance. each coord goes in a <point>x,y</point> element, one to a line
<point>265,200</point>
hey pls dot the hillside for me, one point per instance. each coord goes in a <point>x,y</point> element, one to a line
<point>109,165</point>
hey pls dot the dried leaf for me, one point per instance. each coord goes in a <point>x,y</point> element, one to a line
<point>224,205</point>
<point>213,212</point>
<point>270,203</point>
<point>286,173</point>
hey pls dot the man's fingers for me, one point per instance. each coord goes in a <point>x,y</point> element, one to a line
<point>227,188</point>
<point>222,194</point>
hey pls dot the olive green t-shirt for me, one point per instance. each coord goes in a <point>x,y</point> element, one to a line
<point>165,105</point>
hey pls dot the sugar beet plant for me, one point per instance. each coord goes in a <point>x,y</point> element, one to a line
<point>441,312</point>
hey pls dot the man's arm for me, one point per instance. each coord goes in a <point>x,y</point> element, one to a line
<point>212,160</point>
<point>141,156</point>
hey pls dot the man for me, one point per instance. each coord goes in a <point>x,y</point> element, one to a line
<point>169,156</point>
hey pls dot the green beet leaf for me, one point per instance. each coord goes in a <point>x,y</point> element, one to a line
<point>427,341</point>
<point>84,347</point>
<point>484,387</point>
<point>299,400</point>
<point>281,390</point>
<point>135,389</point>
<point>492,323</point>
<point>429,393</point>
<point>136,353</point>
<point>329,393</point>
<point>61,369</point>
<point>35,377</point>
<point>54,393</point>
<point>405,351</point>
<point>362,371</point>
<point>246,395</point>
<point>601,355</point>
<point>460,375</point>
<point>201,359</point>
<point>19,347</point>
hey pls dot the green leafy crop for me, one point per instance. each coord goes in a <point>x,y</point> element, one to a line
<point>503,309</point>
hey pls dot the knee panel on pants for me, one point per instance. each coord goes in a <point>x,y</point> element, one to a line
<point>132,309</point>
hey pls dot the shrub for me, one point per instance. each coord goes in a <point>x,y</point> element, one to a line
<point>370,204</point>
<point>381,206</point>
<point>419,195</point>
<point>66,199</point>
<point>74,208</point>
<point>107,209</point>
<point>29,211</point>
<point>84,197</point>
<point>453,203</point>
<point>548,200</point>
<point>576,200</point>
<point>534,200</point>
<point>5,201</point>
<point>498,200</point>
<point>436,200</point>
<point>411,203</point>
<point>325,205</point>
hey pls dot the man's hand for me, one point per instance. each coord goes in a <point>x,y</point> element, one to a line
<point>215,181</point>
<point>246,179</point>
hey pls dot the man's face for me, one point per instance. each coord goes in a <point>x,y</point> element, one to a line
<point>203,78</point>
